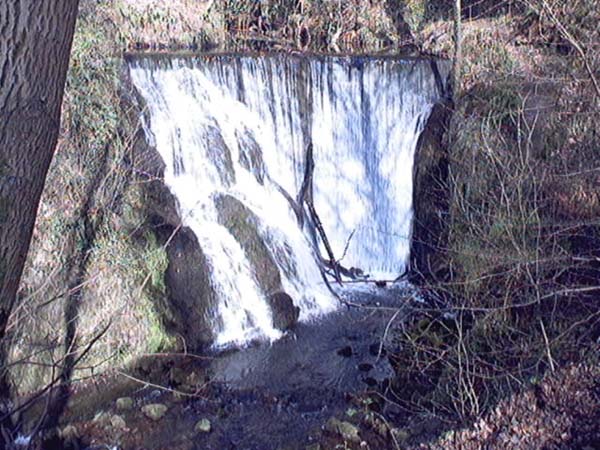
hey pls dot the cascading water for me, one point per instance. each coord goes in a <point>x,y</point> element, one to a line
<point>239,126</point>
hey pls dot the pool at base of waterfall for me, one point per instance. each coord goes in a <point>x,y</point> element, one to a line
<point>288,394</point>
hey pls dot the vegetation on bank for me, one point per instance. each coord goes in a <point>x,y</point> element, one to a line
<point>522,255</point>
<point>92,264</point>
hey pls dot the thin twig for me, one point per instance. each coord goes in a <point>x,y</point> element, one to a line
<point>387,328</point>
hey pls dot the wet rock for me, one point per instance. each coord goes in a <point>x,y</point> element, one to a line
<point>118,422</point>
<point>381,284</point>
<point>365,367</point>
<point>219,154</point>
<point>430,199</point>
<point>243,224</point>
<point>69,433</point>
<point>346,430</point>
<point>192,298</point>
<point>285,313</point>
<point>203,426</point>
<point>124,403</point>
<point>154,411</point>
<point>346,351</point>
<point>251,155</point>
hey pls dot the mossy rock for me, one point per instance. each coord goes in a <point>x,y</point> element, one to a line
<point>191,302</point>
<point>154,411</point>
<point>346,430</point>
<point>243,225</point>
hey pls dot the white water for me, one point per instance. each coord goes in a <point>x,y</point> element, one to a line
<point>363,117</point>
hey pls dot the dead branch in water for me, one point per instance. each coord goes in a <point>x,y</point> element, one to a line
<point>330,265</point>
<point>347,245</point>
<point>307,183</point>
<point>319,227</point>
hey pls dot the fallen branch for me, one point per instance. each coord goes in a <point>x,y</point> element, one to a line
<point>328,249</point>
<point>306,188</point>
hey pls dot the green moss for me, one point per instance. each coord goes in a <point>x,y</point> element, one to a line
<point>157,338</point>
<point>155,263</point>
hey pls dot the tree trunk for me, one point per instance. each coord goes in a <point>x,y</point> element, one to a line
<point>35,43</point>
<point>456,65</point>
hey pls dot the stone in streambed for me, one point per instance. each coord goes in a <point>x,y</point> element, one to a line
<point>401,435</point>
<point>117,422</point>
<point>124,403</point>
<point>154,411</point>
<point>285,314</point>
<point>102,419</point>
<point>69,433</point>
<point>346,352</point>
<point>346,430</point>
<point>203,426</point>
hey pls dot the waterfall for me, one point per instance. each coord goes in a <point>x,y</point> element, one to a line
<point>238,126</point>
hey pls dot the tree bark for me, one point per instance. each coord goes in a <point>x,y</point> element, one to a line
<point>35,43</point>
<point>457,62</point>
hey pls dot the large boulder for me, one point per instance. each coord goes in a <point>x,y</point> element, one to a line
<point>191,298</point>
<point>243,224</point>
<point>285,314</point>
<point>187,309</point>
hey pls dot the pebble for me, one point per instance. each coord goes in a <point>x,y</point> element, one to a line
<point>203,426</point>
<point>154,411</point>
<point>69,433</point>
<point>118,422</point>
<point>124,403</point>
